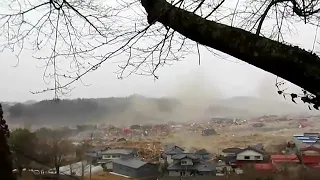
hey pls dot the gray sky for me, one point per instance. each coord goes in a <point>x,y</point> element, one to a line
<point>229,77</point>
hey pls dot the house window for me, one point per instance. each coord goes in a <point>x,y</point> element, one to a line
<point>256,157</point>
<point>246,157</point>
<point>115,156</point>
<point>106,157</point>
<point>184,162</point>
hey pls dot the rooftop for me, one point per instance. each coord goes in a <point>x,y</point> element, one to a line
<point>285,158</point>
<point>132,162</point>
<point>186,155</point>
<point>200,166</point>
<point>118,151</point>
<point>173,149</point>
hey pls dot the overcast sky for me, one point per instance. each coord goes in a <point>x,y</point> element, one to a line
<point>229,77</point>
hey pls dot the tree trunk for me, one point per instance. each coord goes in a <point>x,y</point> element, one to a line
<point>20,169</point>
<point>57,169</point>
<point>5,155</point>
<point>289,62</point>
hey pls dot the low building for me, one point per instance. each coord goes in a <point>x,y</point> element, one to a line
<point>249,154</point>
<point>237,157</point>
<point>188,164</point>
<point>171,150</point>
<point>284,159</point>
<point>135,168</point>
<point>310,156</point>
<point>109,155</point>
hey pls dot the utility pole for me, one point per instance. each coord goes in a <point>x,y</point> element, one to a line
<point>91,138</point>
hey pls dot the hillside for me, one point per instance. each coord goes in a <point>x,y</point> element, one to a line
<point>139,109</point>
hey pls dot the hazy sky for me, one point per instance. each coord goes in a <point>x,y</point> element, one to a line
<point>229,77</point>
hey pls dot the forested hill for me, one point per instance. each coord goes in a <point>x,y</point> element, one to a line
<point>139,109</point>
<point>78,111</point>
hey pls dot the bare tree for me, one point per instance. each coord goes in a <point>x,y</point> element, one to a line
<point>61,153</point>
<point>89,33</point>
<point>55,149</point>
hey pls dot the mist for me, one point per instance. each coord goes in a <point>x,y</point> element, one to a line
<point>195,98</point>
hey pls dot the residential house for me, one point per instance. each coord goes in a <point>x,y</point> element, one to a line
<point>236,156</point>
<point>109,155</point>
<point>134,168</point>
<point>249,154</point>
<point>188,164</point>
<point>171,150</point>
<point>94,154</point>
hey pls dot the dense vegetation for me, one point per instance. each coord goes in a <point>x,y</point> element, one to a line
<point>79,111</point>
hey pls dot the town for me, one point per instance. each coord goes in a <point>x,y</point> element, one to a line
<point>144,152</point>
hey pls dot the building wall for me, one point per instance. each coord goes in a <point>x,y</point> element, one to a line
<point>175,173</point>
<point>148,170</point>
<point>115,156</point>
<point>169,159</point>
<point>108,165</point>
<point>187,161</point>
<point>249,155</point>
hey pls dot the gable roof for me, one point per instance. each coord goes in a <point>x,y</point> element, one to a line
<point>250,148</point>
<point>131,162</point>
<point>258,147</point>
<point>186,155</point>
<point>118,151</point>
<point>231,150</point>
<point>173,149</point>
<point>228,159</point>
<point>206,167</point>
<point>200,166</point>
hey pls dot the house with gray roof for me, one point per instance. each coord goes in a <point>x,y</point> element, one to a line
<point>109,155</point>
<point>251,153</point>
<point>135,168</point>
<point>171,150</point>
<point>188,164</point>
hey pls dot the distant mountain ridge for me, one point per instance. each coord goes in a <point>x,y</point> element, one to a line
<point>139,109</point>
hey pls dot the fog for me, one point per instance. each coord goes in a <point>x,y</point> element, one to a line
<point>196,99</point>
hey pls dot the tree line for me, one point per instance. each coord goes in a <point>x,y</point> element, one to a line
<point>42,149</point>
<point>78,110</point>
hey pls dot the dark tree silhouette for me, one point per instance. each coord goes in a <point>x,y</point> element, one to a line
<point>5,155</point>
